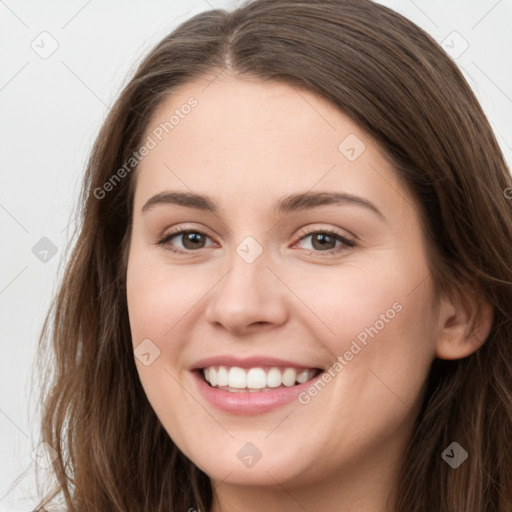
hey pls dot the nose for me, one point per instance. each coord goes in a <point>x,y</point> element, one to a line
<point>249,297</point>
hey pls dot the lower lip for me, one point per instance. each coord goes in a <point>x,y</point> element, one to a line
<point>249,403</point>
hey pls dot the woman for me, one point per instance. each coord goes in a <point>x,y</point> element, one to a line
<point>207,358</point>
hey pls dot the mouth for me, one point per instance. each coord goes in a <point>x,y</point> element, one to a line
<point>235,379</point>
<point>252,385</point>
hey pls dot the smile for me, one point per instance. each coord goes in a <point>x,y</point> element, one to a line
<point>251,385</point>
<point>235,379</point>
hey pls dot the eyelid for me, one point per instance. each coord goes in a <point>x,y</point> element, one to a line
<point>315,228</point>
<point>179,230</point>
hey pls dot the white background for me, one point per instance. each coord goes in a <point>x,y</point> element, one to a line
<point>51,110</point>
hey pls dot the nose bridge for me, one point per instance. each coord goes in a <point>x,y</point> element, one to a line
<point>249,278</point>
<point>249,293</point>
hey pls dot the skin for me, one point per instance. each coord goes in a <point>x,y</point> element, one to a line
<point>246,144</point>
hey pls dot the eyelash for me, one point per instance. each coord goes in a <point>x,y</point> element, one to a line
<point>347,244</point>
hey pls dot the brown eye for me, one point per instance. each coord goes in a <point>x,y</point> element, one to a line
<point>190,240</point>
<point>324,241</point>
<point>321,241</point>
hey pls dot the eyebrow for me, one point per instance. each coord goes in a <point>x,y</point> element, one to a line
<point>292,203</point>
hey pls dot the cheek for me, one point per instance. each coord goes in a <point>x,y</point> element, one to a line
<point>159,299</point>
<point>383,295</point>
<point>380,356</point>
<point>380,337</point>
<point>158,296</point>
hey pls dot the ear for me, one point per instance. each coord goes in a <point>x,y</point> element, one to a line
<point>465,322</point>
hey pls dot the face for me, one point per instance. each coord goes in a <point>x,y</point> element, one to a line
<point>326,303</point>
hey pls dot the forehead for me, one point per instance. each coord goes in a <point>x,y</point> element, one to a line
<point>248,138</point>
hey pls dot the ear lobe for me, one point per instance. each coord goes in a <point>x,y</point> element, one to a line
<point>465,325</point>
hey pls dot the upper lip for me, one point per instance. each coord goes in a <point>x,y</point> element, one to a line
<point>247,362</point>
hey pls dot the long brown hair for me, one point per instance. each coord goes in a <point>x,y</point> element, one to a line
<point>397,84</point>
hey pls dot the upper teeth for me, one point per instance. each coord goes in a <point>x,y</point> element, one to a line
<point>255,378</point>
